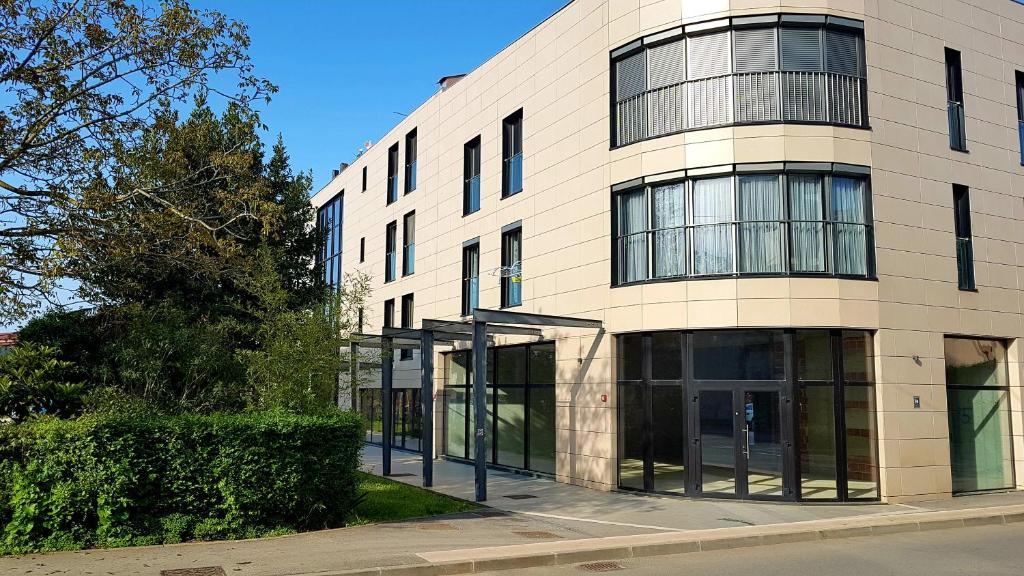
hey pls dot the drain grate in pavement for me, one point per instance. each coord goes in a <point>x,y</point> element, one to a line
<point>520,496</point>
<point>400,475</point>
<point>205,571</point>
<point>600,567</point>
<point>537,535</point>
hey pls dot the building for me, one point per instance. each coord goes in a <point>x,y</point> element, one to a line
<point>802,228</point>
<point>7,341</point>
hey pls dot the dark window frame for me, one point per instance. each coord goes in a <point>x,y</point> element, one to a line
<point>391,194</point>
<point>964,238</point>
<point>330,219</point>
<point>470,251</point>
<point>511,149</point>
<point>364,178</point>
<point>362,249</point>
<point>409,248</point>
<point>506,281</point>
<point>389,313</point>
<point>408,308</point>
<point>955,110</point>
<point>390,251</point>
<point>411,152</point>
<point>472,158</point>
<point>829,224</point>
<point>1019,77</point>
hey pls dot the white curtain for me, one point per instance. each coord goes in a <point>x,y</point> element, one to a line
<point>848,213</point>
<point>669,231</point>
<point>712,231</point>
<point>807,229</point>
<point>760,207</point>
<point>632,236</point>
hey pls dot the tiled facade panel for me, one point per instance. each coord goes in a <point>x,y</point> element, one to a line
<point>558,73</point>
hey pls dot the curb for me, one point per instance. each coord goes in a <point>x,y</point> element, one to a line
<point>477,560</point>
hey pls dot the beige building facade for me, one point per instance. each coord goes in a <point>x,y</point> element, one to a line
<point>800,222</point>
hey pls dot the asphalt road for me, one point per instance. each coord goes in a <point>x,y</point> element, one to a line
<point>980,551</point>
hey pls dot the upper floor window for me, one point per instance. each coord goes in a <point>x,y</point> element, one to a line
<point>409,243</point>
<point>389,313</point>
<point>392,191</point>
<point>759,69</point>
<point>362,249</point>
<point>407,309</point>
<point>1020,113</point>
<point>964,237</point>
<point>512,266</point>
<point>512,154</point>
<point>410,161</point>
<point>764,222</point>
<point>955,101</point>
<point>364,178</point>
<point>329,221</point>
<point>471,177</point>
<point>470,277</point>
<point>389,251</point>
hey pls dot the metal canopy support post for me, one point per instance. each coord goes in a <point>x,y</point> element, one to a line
<point>480,406</point>
<point>387,406</point>
<point>427,404</point>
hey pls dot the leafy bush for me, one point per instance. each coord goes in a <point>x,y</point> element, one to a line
<point>115,480</point>
<point>32,382</point>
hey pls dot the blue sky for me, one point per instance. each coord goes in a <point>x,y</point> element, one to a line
<point>345,67</point>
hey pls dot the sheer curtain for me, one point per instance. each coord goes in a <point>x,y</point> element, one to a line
<point>848,214</point>
<point>807,229</point>
<point>632,236</point>
<point>760,206</point>
<point>669,232</point>
<point>712,228</point>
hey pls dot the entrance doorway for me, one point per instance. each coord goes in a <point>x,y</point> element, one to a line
<point>739,435</point>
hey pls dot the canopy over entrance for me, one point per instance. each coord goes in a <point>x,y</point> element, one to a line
<point>484,323</point>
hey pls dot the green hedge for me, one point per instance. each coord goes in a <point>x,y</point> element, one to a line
<point>104,480</point>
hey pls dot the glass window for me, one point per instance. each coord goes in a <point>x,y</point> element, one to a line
<point>842,52</point>
<point>816,442</point>
<point>813,351</point>
<point>801,49</point>
<point>738,355</point>
<point>667,351</point>
<point>407,316</point>
<point>512,154</point>
<point>470,278</point>
<point>712,232</point>
<point>709,55</point>
<point>389,313</point>
<point>964,237</point>
<point>542,428</point>
<point>410,161</point>
<point>409,244</point>
<point>861,442</point>
<point>849,214</point>
<point>511,366</point>
<point>807,229</point>
<point>760,233</point>
<point>632,236</point>
<point>858,357</point>
<point>631,435</point>
<point>542,364</point>
<point>390,258</point>
<point>511,260</point>
<point>471,176</point>
<point>511,425</point>
<point>392,192</point>
<point>630,356</point>
<point>955,101</point>
<point>755,49</point>
<point>668,437</point>
<point>669,230</point>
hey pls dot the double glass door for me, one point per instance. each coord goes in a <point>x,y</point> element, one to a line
<point>737,432</point>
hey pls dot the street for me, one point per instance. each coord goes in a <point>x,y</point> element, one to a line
<point>984,550</point>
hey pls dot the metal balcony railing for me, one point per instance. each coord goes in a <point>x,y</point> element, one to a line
<point>471,203</point>
<point>742,98</point>
<point>957,125</point>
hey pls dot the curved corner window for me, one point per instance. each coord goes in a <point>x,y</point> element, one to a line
<point>788,68</point>
<point>793,220</point>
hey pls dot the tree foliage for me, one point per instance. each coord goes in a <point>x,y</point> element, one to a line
<point>32,382</point>
<point>84,83</point>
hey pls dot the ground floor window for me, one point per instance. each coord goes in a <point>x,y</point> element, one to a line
<point>407,413</point>
<point>977,395</point>
<point>762,414</point>
<point>520,406</point>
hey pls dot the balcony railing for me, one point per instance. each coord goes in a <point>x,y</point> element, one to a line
<point>513,174</point>
<point>471,202</point>
<point>408,259</point>
<point>390,264</point>
<point>410,177</point>
<point>957,125</point>
<point>964,264</point>
<point>742,98</point>
<point>1020,136</point>
<point>392,189</point>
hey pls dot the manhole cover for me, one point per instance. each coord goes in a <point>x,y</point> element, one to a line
<point>537,535</point>
<point>520,496</point>
<point>400,475</point>
<point>205,571</point>
<point>600,567</point>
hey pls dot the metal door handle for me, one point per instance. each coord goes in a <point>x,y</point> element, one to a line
<point>746,442</point>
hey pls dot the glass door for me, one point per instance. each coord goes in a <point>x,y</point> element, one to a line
<point>739,438</point>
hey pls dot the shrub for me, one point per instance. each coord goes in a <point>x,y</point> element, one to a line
<point>114,480</point>
<point>32,383</point>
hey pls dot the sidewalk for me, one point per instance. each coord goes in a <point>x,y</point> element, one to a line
<point>561,524</point>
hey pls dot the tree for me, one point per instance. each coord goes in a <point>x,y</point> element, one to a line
<point>84,80</point>
<point>32,383</point>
